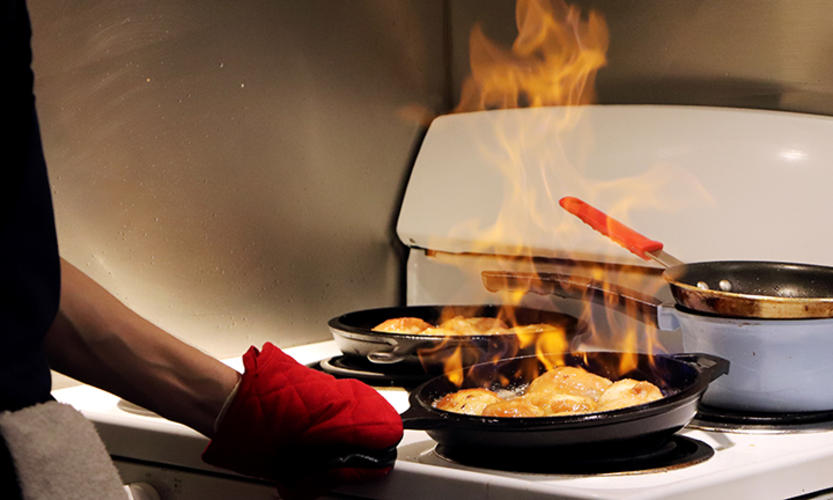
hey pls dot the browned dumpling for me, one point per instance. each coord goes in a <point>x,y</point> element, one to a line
<point>628,392</point>
<point>518,407</point>
<point>556,338</point>
<point>569,380</point>
<point>473,326</point>
<point>402,325</point>
<point>535,328</point>
<point>468,401</point>
<point>561,404</point>
<point>442,332</point>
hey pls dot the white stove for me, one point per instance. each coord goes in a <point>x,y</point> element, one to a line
<point>167,455</point>
<point>711,183</point>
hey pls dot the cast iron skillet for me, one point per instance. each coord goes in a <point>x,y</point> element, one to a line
<point>354,335</point>
<point>682,377</point>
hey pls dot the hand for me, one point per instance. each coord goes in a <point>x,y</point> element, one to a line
<point>295,425</point>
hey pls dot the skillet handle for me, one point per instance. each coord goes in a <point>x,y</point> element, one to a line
<point>384,357</point>
<point>708,365</point>
<point>637,305</point>
<point>420,419</point>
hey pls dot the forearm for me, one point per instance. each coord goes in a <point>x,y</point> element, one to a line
<point>98,340</point>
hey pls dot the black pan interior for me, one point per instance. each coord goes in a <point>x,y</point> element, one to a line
<point>365,320</point>
<point>772,279</point>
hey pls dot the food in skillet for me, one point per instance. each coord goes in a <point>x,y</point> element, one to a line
<point>468,401</point>
<point>458,325</point>
<point>535,329</point>
<point>565,390</point>
<point>517,407</point>
<point>570,380</point>
<point>560,404</point>
<point>402,325</point>
<point>628,392</point>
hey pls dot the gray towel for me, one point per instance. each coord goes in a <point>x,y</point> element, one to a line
<point>57,454</point>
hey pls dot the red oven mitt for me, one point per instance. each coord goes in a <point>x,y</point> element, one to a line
<point>293,424</point>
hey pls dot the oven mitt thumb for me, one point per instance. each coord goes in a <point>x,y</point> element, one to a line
<point>290,423</point>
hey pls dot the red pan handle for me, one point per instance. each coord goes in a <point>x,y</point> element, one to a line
<point>610,227</point>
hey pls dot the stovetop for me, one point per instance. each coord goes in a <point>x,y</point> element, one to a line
<point>744,465</point>
<point>708,418</point>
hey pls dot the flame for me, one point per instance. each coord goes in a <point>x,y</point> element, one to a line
<point>550,348</point>
<point>453,367</point>
<point>553,61</point>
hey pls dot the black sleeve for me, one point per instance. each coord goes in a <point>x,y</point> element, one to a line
<point>29,265</point>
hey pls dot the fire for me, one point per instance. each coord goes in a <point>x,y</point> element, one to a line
<point>453,367</point>
<point>550,348</point>
<point>553,60</point>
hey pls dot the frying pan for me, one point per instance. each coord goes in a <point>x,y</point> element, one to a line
<point>682,377</point>
<point>741,289</point>
<point>778,365</point>
<point>354,335</point>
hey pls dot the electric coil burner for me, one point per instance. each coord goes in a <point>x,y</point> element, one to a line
<point>671,454</point>
<point>718,419</point>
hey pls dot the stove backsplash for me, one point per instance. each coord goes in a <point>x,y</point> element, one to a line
<point>233,170</point>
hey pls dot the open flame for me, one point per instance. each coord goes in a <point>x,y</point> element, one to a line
<point>552,62</point>
<point>453,367</point>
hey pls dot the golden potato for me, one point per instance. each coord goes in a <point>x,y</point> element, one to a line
<point>474,326</point>
<point>402,325</point>
<point>561,404</point>
<point>536,328</point>
<point>439,331</point>
<point>547,396</point>
<point>518,407</point>
<point>569,380</point>
<point>468,401</point>
<point>628,392</point>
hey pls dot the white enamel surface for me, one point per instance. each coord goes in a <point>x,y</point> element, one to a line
<point>776,365</point>
<point>710,183</point>
<point>743,466</point>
